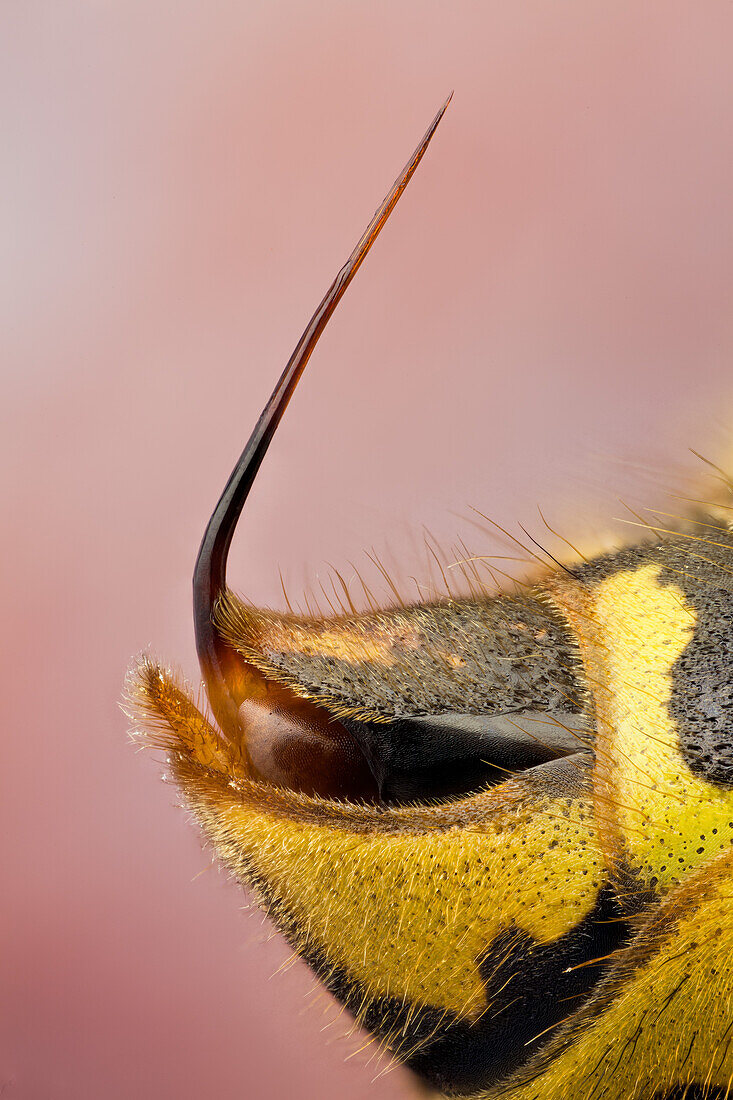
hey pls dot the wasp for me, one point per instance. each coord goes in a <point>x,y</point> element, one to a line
<point>498,828</point>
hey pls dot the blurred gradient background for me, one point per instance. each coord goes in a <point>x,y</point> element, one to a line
<point>546,319</point>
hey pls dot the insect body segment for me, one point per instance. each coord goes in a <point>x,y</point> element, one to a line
<point>425,691</point>
<point>422,918</point>
<point>663,741</point>
<point>498,829</point>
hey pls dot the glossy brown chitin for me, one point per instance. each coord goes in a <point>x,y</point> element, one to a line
<point>229,679</point>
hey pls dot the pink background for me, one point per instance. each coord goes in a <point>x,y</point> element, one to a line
<point>546,319</point>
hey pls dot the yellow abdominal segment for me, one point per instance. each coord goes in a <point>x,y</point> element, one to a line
<point>410,916</point>
<point>632,627</point>
<point>405,902</point>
